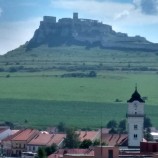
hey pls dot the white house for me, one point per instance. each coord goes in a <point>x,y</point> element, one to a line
<point>5,132</point>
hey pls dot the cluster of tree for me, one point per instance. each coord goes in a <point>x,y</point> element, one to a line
<point>117,127</point>
<point>143,68</point>
<point>147,131</point>
<point>77,74</point>
<point>72,141</point>
<point>121,126</point>
<point>43,152</point>
<point>61,127</point>
<point>9,124</point>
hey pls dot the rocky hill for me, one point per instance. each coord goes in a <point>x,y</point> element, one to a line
<point>85,32</point>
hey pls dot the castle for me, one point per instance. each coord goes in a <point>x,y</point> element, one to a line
<point>85,32</point>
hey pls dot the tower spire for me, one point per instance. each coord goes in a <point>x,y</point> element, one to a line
<point>136,87</point>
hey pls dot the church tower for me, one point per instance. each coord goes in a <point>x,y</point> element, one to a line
<point>135,119</point>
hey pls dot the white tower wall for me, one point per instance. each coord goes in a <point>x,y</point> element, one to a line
<point>135,120</point>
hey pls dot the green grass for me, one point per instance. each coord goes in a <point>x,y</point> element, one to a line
<point>80,102</point>
<point>44,98</point>
<point>59,58</point>
<point>41,114</point>
<point>105,88</point>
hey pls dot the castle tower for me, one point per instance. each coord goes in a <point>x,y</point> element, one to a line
<point>135,119</point>
<point>75,16</point>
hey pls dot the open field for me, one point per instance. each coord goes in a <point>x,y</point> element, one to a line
<point>32,87</point>
<point>104,88</point>
<point>47,100</point>
<point>41,114</point>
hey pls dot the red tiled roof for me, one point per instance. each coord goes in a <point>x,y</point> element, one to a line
<point>41,139</point>
<point>47,139</point>
<point>122,138</point>
<point>91,135</point>
<point>61,152</point>
<point>24,135</point>
<point>114,139</point>
<point>57,139</point>
<point>55,156</point>
<point>9,138</point>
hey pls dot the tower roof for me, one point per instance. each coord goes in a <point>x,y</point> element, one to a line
<point>136,97</point>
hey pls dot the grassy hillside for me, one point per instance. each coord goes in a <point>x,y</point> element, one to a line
<point>32,87</point>
<point>78,59</point>
<point>45,101</point>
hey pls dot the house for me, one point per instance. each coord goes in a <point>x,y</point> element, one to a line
<point>149,147</point>
<point>115,139</point>
<point>4,132</point>
<point>89,135</point>
<point>97,152</point>
<point>58,139</point>
<point>44,140</point>
<point>6,143</point>
<point>106,152</point>
<point>20,141</point>
<point>52,130</point>
<point>154,135</point>
<point>65,152</point>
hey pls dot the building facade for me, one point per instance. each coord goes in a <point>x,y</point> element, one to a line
<point>135,119</point>
<point>19,143</point>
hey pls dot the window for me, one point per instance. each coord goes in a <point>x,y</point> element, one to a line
<point>135,136</point>
<point>33,148</point>
<point>110,153</point>
<point>135,127</point>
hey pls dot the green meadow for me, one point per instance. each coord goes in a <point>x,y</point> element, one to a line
<point>44,100</point>
<point>33,92</point>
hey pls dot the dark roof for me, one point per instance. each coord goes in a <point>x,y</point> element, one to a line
<point>135,97</point>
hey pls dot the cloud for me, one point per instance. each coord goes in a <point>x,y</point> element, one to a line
<point>16,33</point>
<point>105,10</point>
<point>122,15</point>
<point>109,12</point>
<point>149,7</point>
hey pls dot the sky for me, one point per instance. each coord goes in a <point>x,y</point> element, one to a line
<point>20,18</point>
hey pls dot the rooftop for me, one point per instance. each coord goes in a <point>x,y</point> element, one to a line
<point>9,138</point>
<point>47,139</point>
<point>136,97</point>
<point>24,135</point>
<point>74,151</point>
<point>2,129</point>
<point>57,139</point>
<point>114,139</point>
<point>91,135</point>
<point>41,139</point>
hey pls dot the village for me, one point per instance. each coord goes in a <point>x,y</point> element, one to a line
<point>26,143</point>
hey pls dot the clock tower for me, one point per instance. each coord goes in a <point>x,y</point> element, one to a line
<point>135,119</point>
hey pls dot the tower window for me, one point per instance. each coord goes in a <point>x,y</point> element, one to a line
<point>135,136</point>
<point>135,127</point>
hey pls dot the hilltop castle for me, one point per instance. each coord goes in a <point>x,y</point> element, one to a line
<point>85,32</point>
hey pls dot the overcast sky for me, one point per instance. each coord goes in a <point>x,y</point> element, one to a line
<point>20,18</point>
